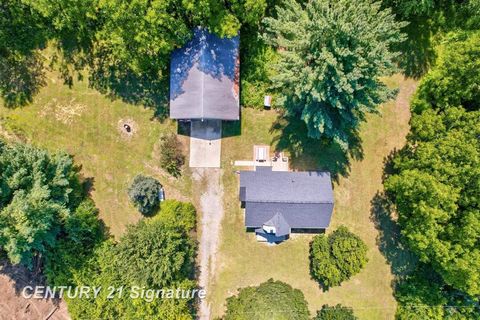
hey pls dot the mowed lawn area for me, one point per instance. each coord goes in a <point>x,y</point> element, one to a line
<point>243,261</point>
<point>88,125</point>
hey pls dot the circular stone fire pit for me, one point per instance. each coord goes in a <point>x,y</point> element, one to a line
<point>127,127</point>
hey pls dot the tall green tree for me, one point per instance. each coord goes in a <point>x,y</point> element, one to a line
<point>23,31</point>
<point>332,55</point>
<point>270,300</point>
<point>38,190</point>
<point>81,234</point>
<point>152,255</point>
<point>436,191</point>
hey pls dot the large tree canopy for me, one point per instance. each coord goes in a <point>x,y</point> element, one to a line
<point>270,300</point>
<point>332,54</point>
<point>154,254</point>
<point>437,193</point>
<point>455,79</point>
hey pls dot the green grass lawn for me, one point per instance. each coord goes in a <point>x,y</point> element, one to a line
<point>244,262</point>
<point>86,124</point>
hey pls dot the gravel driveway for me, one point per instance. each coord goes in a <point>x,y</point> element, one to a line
<point>211,207</point>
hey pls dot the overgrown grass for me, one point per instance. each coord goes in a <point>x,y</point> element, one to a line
<point>244,262</point>
<point>88,125</point>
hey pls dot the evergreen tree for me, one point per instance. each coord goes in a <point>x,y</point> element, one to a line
<point>38,190</point>
<point>332,54</point>
<point>145,194</point>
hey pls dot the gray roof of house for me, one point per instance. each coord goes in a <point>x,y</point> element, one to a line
<point>304,199</point>
<point>265,185</point>
<point>204,78</point>
<point>282,227</point>
<point>297,215</point>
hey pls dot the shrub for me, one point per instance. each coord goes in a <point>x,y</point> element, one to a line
<point>178,214</point>
<point>270,300</point>
<point>337,312</point>
<point>337,257</point>
<point>171,158</point>
<point>144,193</point>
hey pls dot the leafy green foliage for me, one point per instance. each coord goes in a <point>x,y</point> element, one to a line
<point>337,312</point>
<point>21,29</point>
<point>178,214</point>
<point>455,79</point>
<point>22,32</point>
<point>424,295</point>
<point>407,8</point>
<point>270,300</point>
<point>150,254</point>
<point>171,155</point>
<point>420,297</point>
<point>337,257</point>
<point>145,194</point>
<point>38,190</point>
<point>436,191</point>
<point>332,54</point>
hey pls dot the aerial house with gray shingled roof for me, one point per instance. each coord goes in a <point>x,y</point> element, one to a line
<point>204,78</point>
<point>278,203</point>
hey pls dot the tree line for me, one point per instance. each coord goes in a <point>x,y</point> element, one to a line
<point>435,186</point>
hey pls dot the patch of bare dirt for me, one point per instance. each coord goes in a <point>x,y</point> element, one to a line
<point>13,306</point>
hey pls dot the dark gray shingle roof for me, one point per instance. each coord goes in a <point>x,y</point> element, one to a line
<point>297,215</point>
<point>291,187</point>
<point>304,199</point>
<point>204,78</point>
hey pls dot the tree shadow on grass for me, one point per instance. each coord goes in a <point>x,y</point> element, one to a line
<point>389,240</point>
<point>290,134</point>
<point>21,78</point>
<point>118,82</point>
<point>22,277</point>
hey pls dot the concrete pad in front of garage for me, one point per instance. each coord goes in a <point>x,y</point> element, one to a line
<point>205,143</point>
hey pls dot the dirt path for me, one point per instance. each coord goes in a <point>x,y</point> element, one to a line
<point>208,180</point>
